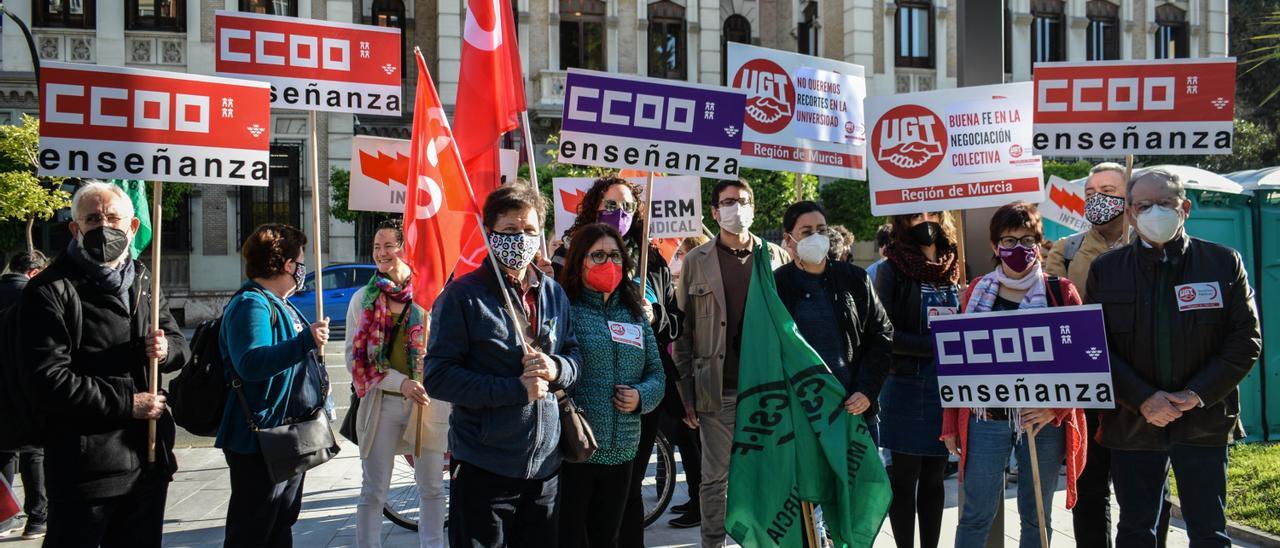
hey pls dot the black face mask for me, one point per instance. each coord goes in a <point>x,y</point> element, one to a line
<point>926,233</point>
<point>105,244</point>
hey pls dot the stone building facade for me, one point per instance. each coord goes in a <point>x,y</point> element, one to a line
<point>905,45</point>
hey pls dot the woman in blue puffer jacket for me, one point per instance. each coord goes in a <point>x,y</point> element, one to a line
<point>621,378</point>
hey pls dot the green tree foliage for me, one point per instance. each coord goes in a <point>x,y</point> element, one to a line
<point>848,203</point>
<point>1254,146</point>
<point>23,196</point>
<point>1255,41</point>
<point>773,192</point>
<point>339,192</point>
<point>1067,170</point>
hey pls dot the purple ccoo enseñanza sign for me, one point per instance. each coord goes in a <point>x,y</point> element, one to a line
<point>1046,357</point>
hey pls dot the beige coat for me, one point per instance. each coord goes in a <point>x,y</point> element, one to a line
<point>434,430</point>
<point>1078,272</point>
<point>700,351</point>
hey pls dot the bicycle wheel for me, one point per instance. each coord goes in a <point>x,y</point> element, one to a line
<point>402,499</point>
<point>659,480</point>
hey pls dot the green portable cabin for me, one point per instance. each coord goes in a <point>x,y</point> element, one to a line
<point>1264,184</point>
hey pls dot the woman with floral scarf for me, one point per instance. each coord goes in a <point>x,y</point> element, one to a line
<point>386,342</point>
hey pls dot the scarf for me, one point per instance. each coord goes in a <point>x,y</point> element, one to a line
<point>370,353</point>
<point>983,298</point>
<point>116,281</point>
<point>913,263</point>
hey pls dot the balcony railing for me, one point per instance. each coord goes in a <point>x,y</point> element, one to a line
<point>910,80</point>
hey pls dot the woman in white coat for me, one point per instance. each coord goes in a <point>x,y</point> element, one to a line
<point>386,344</point>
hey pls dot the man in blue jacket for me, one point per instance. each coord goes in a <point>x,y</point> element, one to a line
<point>505,428</point>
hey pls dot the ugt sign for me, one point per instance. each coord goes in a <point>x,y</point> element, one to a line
<point>124,123</point>
<point>1046,357</point>
<point>312,64</point>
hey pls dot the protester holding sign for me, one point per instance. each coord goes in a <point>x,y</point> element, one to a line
<point>615,201</point>
<point>621,379</point>
<point>917,281</point>
<point>983,437</point>
<point>1104,205</point>
<point>505,424</point>
<point>265,343</point>
<point>714,281</point>
<point>836,310</point>
<point>385,347</point>
<point>1183,333</point>
<point>86,346</point>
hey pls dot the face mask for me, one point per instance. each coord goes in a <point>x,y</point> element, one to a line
<point>926,233</point>
<point>620,219</point>
<point>1019,258</point>
<point>104,244</point>
<point>813,249</point>
<point>603,277</point>
<point>1101,209</point>
<point>299,276</point>
<point>676,264</point>
<point>514,251</point>
<point>1160,224</point>
<point>737,218</point>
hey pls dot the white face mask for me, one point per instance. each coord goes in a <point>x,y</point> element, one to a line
<point>813,249</point>
<point>1160,224</point>
<point>676,264</point>
<point>737,218</point>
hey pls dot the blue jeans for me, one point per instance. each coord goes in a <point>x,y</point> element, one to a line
<point>1201,473</point>
<point>990,442</point>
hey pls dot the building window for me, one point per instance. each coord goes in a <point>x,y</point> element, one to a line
<point>1103,36</point>
<point>914,44</point>
<point>73,14</point>
<point>270,7</point>
<point>582,34</point>
<point>161,15</point>
<point>736,29</point>
<point>1048,36</point>
<point>1171,33</point>
<point>807,30</point>
<point>667,40</point>
<point>279,201</point>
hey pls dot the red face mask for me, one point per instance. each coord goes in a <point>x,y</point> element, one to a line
<point>603,277</point>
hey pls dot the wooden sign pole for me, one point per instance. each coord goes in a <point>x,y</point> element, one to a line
<point>153,371</point>
<point>318,261</point>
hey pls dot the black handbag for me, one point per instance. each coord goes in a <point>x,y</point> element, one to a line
<point>348,427</point>
<point>305,440</point>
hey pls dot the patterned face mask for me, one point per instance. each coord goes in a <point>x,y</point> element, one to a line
<point>514,251</point>
<point>1101,209</point>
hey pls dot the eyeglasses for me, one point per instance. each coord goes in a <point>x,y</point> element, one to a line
<point>730,202</point>
<point>97,218</point>
<point>1008,242</point>
<point>614,205</point>
<point>599,257</point>
<point>1170,203</point>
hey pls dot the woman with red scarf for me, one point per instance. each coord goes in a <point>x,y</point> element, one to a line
<point>918,280</point>
<point>386,342</point>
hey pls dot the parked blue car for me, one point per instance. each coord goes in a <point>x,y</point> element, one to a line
<point>339,283</point>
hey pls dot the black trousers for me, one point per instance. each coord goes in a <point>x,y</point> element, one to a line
<point>917,490</point>
<point>31,465</point>
<point>590,508</point>
<point>1091,516</point>
<point>261,512</point>
<point>631,535</point>
<point>135,520</point>
<point>489,510</point>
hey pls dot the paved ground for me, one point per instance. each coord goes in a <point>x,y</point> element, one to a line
<point>198,497</point>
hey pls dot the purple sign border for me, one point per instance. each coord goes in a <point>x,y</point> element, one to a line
<point>1086,330</point>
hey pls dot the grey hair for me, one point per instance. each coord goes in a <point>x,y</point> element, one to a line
<point>1167,177</point>
<point>1108,166</point>
<point>92,187</point>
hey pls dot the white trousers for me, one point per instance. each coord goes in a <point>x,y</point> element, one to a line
<point>428,472</point>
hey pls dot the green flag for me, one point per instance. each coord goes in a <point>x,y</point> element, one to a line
<point>137,191</point>
<point>794,441</point>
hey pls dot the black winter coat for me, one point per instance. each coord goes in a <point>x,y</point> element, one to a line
<point>85,372</point>
<point>1212,349</point>
<point>868,333</point>
<point>11,285</point>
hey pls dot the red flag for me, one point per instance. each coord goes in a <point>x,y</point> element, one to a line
<point>440,212</point>
<point>490,91</point>
<point>9,506</point>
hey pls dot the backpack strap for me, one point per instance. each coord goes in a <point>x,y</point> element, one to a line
<point>1072,245</point>
<point>1054,284</point>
